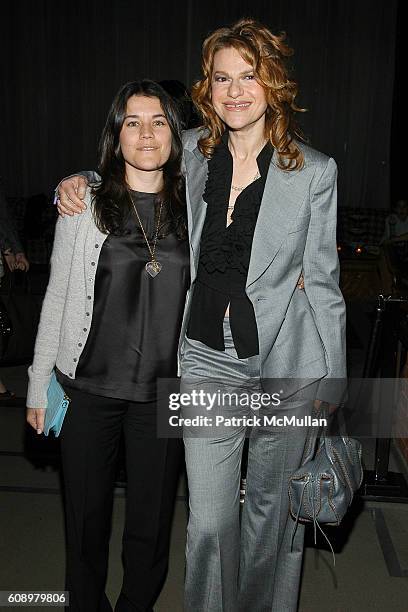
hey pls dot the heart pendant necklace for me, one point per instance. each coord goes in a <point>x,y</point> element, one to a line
<point>153,266</point>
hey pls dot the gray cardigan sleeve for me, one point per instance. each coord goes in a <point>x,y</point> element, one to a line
<point>47,342</point>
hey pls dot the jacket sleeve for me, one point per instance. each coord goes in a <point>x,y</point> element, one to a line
<point>48,335</point>
<point>91,176</point>
<point>321,278</point>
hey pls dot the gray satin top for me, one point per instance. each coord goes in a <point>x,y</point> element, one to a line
<point>136,319</point>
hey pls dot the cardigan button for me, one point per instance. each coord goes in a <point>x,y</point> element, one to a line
<point>96,246</point>
<point>70,374</point>
<point>85,329</point>
<point>79,343</point>
<point>75,359</point>
<point>88,314</point>
<point>92,263</point>
<point>89,297</point>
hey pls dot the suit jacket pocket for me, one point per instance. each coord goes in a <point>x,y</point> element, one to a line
<point>300,224</point>
<point>298,341</point>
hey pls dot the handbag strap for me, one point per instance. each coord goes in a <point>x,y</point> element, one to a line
<point>341,422</point>
<point>313,434</point>
<point>342,431</point>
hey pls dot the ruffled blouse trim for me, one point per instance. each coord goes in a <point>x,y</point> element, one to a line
<point>229,247</point>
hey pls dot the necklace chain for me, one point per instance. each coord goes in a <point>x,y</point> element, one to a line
<point>151,251</point>
<point>236,188</point>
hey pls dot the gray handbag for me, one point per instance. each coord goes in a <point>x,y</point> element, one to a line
<point>322,489</point>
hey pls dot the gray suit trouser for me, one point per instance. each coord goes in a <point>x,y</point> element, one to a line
<point>253,566</point>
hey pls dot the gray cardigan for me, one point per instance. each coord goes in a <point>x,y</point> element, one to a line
<point>66,314</point>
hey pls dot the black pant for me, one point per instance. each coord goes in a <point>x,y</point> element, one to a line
<point>89,447</point>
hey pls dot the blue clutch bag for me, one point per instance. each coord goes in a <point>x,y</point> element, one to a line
<point>57,404</point>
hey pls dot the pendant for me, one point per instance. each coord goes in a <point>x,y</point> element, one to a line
<point>153,267</point>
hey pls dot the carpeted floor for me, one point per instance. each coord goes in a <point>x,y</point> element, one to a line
<point>371,547</point>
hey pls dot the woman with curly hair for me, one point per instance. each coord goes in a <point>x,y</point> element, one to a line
<point>263,209</point>
<point>262,213</point>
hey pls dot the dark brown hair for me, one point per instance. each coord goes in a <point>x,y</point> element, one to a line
<point>111,204</point>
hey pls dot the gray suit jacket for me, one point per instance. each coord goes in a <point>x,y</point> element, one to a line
<point>301,332</point>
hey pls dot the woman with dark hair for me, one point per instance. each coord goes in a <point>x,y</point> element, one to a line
<point>109,326</point>
<point>262,206</point>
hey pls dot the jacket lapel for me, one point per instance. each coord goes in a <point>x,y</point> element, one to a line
<point>283,195</point>
<point>197,170</point>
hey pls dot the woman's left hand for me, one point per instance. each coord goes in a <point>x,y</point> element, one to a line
<point>22,262</point>
<point>318,403</point>
<point>301,282</point>
<point>35,418</point>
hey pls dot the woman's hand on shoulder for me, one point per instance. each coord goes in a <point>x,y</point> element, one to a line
<point>35,418</point>
<point>71,194</point>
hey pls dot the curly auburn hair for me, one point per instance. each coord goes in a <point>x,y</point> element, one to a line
<point>267,54</point>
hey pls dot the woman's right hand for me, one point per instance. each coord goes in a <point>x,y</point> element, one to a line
<point>71,193</point>
<point>10,260</point>
<point>35,418</point>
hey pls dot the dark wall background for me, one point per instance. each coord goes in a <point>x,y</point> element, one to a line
<point>62,62</point>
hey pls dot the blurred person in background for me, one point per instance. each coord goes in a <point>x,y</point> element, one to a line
<point>393,263</point>
<point>12,257</point>
<point>396,224</point>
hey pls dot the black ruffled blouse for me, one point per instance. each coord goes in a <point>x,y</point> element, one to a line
<point>224,256</point>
